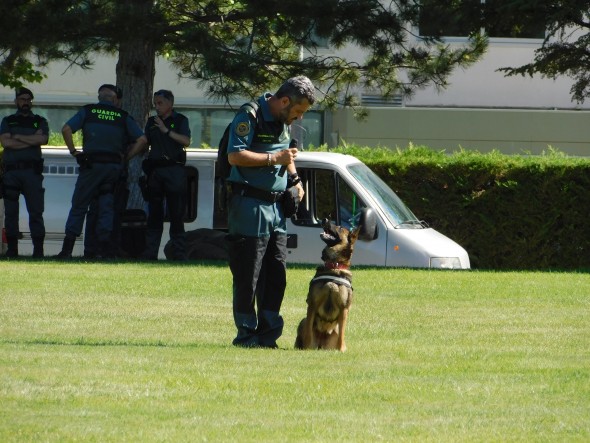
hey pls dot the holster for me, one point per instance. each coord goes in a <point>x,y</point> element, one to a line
<point>83,160</point>
<point>38,167</point>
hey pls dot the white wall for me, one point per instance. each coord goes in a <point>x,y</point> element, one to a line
<point>481,86</point>
<point>73,85</point>
<point>477,86</point>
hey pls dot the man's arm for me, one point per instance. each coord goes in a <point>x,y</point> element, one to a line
<point>6,140</point>
<point>18,141</point>
<point>67,134</point>
<point>179,138</point>
<point>38,138</point>
<point>248,158</point>
<point>178,135</point>
<point>138,147</point>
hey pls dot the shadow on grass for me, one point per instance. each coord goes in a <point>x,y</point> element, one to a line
<point>224,264</point>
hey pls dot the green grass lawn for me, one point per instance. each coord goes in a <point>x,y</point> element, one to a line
<point>141,352</point>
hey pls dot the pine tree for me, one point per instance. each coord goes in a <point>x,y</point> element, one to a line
<point>231,47</point>
<point>565,49</point>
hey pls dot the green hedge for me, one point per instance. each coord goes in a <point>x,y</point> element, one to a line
<point>507,211</point>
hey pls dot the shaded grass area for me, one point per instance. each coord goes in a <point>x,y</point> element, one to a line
<point>141,352</point>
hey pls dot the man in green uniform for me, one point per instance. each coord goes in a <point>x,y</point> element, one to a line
<point>259,153</point>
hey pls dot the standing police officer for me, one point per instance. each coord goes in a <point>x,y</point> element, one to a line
<point>168,134</point>
<point>22,135</point>
<point>91,246</point>
<point>258,150</point>
<point>106,130</point>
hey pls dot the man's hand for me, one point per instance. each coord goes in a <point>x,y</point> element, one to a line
<point>160,124</point>
<point>300,191</point>
<point>285,157</point>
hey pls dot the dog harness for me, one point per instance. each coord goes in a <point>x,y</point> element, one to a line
<point>332,278</point>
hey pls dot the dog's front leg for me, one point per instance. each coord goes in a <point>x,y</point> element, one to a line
<point>308,335</point>
<point>342,319</point>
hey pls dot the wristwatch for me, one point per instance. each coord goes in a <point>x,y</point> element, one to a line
<point>295,180</point>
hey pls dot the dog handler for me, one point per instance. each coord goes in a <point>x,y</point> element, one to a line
<point>259,152</point>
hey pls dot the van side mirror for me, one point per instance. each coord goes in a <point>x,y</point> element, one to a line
<point>368,225</point>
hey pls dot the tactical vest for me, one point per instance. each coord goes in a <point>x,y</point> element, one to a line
<point>105,115</point>
<point>267,132</point>
<point>162,145</point>
<point>112,119</point>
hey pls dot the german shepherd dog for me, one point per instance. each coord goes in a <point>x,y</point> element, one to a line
<point>330,292</point>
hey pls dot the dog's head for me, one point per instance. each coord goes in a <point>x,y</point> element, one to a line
<point>339,243</point>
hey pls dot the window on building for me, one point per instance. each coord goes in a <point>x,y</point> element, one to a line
<point>496,18</point>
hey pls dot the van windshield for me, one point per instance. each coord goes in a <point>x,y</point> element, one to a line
<point>399,214</point>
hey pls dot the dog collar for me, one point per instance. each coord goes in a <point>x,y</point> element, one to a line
<point>334,265</point>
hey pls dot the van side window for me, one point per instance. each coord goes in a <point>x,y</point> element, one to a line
<point>327,195</point>
<point>349,204</point>
<point>192,190</point>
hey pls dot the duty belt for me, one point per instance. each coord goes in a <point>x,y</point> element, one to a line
<point>104,157</point>
<point>22,165</point>
<point>162,162</point>
<point>250,191</point>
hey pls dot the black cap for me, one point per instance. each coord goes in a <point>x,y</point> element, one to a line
<point>23,91</point>
<point>165,93</point>
<point>113,88</point>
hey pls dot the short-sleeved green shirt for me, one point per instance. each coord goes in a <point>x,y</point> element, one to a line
<point>250,216</point>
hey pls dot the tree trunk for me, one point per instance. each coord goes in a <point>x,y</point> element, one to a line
<point>136,69</point>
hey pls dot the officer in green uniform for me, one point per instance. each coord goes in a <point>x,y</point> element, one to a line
<point>259,153</point>
<point>106,130</point>
<point>22,135</point>
<point>168,134</point>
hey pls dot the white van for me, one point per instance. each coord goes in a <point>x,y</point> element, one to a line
<point>338,187</point>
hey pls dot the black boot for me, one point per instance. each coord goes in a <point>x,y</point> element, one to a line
<point>12,250</point>
<point>67,248</point>
<point>38,247</point>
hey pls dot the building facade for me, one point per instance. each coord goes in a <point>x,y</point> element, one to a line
<point>481,109</point>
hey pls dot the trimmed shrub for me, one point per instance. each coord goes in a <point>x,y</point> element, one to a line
<point>507,211</point>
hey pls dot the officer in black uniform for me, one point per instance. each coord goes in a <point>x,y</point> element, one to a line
<point>106,130</point>
<point>168,135</point>
<point>22,135</point>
